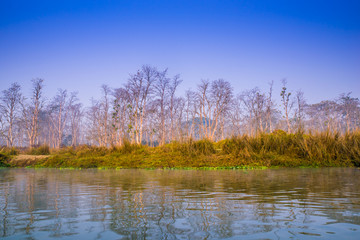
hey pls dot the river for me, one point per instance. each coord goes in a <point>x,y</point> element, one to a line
<point>319,203</point>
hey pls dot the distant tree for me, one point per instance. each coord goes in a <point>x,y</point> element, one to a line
<point>10,101</point>
<point>161,87</point>
<point>31,110</point>
<point>255,106</point>
<point>58,112</point>
<point>99,119</point>
<point>323,116</point>
<point>213,99</point>
<point>299,112</point>
<point>140,87</point>
<point>121,116</point>
<point>237,116</point>
<point>349,106</point>
<point>190,114</point>
<point>270,108</point>
<point>175,103</point>
<point>105,126</point>
<point>287,104</point>
<point>75,115</point>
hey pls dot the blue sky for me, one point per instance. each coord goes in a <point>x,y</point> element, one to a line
<point>80,45</point>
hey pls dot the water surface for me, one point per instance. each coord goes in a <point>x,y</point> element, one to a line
<point>180,204</point>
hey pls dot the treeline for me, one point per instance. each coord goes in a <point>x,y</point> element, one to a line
<point>146,110</point>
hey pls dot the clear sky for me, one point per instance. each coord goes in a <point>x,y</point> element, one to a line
<point>80,45</point>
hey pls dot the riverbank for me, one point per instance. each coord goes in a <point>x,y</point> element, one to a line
<point>267,150</point>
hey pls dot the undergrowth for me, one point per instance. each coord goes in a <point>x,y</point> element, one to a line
<point>277,149</point>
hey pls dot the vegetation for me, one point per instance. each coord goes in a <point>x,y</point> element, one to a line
<point>146,110</point>
<point>41,150</point>
<point>144,124</point>
<point>278,149</point>
<point>4,158</point>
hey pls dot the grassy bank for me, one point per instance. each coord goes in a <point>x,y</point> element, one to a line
<point>266,150</point>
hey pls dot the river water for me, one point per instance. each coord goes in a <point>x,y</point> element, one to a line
<point>180,204</point>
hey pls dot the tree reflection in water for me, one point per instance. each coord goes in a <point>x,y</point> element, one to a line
<point>176,204</point>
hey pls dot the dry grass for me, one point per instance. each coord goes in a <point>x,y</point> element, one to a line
<point>24,160</point>
<point>277,149</point>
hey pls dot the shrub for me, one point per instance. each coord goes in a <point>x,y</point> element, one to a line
<point>196,148</point>
<point>3,160</point>
<point>10,151</point>
<point>41,150</point>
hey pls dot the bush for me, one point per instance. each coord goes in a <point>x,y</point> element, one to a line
<point>197,148</point>
<point>3,160</point>
<point>10,151</point>
<point>41,150</point>
<point>128,148</point>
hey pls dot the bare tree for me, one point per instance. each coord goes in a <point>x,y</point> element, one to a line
<point>161,91</point>
<point>58,111</point>
<point>204,107</point>
<point>93,124</point>
<point>287,104</point>
<point>255,105</point>
<point>177,118</point>
<point>173,103</point>
<point>105,116</point>
<point>236,116</point>
<point>299,112</point>
<point>213,101</point>
<point>30,111</point>
<point>10,101</point>
<point>140,89</point>
<point>190,109</point>
<point>221,94</point>
<point>269,108</point>
<point>121,116</point>
<point>350,109</point>
<point>75,114</point>
<point>323,116</point>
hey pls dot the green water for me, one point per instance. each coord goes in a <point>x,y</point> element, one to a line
<point>180,204</point>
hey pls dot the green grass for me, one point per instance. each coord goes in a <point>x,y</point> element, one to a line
<point>277,149</point>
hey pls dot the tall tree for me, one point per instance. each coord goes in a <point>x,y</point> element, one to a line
<point>269,108</point>
<point>175,103</point>
<point>140,88</point>
<point>287,104</point>
<point>214,100</point>
<point>75,113</point>
<point>299,112</point>
<point>10,101</point>
<point>31,110</point>
<point>58,110</point>
<point>254,103</point>
<point>121,116</point>
<point>350,108</point>
<point>105,115</point>
<point>161,87</point>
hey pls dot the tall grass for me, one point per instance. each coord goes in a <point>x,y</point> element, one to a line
<point>279,148</point>
<point>275,149</point>
<point>41,150</point>
<point>10,150</point>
